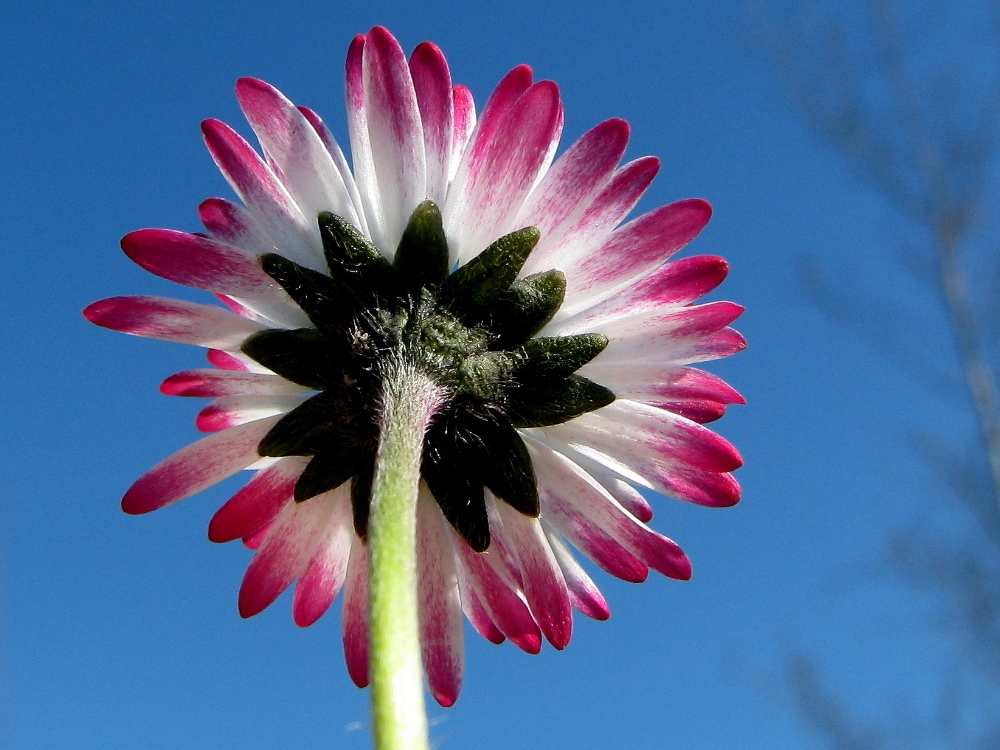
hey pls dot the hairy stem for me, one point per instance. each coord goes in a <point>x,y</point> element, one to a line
<point>408,403</point>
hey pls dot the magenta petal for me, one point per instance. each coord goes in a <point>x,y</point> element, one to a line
<point>197,467</point>
<point>172,320</point>
<point>301,158</point>
<point>583,592</point>
<point>440,607</point>
<point>256,505</point>
<point>325,574</point>
<point>703,348</point>
<point>355,615</point>
<point>233,224</point>
<point>217,383</point>
<point>284,554</point>
<point>544,585</point>
<point>260,189</point>
<point>230,411</point>
<point>638,247</point>
<point>199,262</point>
<point>230,361</point>
<point>396,133</point>
<point>502,604</point>
<point>475,610</point>
<point>569,186</point>
<point>254,540</point>
<point>432,83</point>
<point>464,107</point>
<point>361,146</point>
<point>502,171</point>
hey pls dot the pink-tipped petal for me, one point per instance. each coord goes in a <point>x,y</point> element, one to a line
<point>465,123</point>
<point>292,143</point>
<point>199,262</point>
<point>432,83</point>
<point>634,250</point>
<point>655,383</point>
<point>172,320</point>
<point>269,201</point>
<point>355,615</point>
<point>235,410</point>
<point>233,361</point>
<point>218,383</point>
<point>231,223</point>
<point>583,592</point>
<point>569,186</point>
<point>337,154</point>
<point>255,507</point>
<point>502,171</point>
<point>283,556</point>
<point>503,605</point>
<point>254,540</point>
<point>587,503</point>
<point>475,610</point>
<point>361,146</point>
<point>440,607</point>
<point>396,133</point>
<point>325,574</point>
<point>687,351</point>
<point>544,585</point>
<point>645,433</point>
<point>592,225</point>
<point>197,467</point>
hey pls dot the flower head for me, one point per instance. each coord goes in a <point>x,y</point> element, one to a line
<point>559,339</point>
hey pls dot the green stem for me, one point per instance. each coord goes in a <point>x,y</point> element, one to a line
<point>409,401</point>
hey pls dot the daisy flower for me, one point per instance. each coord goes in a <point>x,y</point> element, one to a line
<point>547,346</point>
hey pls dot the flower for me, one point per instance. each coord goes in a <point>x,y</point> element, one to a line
<point>562,338</point>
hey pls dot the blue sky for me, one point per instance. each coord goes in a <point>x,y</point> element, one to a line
<point>122,632</point>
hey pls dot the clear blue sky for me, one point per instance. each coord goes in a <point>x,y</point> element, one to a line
<point>122,632</point>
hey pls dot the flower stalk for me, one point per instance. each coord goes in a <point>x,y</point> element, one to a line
<point>409,401</point>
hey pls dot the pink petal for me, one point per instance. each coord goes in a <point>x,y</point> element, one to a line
<point>254,540</point>
<point>235,410</point>
<point>544,585</point>
<point>703,348</point>
<point>172,320</point>
<point>397,140</point>
<point>283,556</point>
<point>325,574</point>
<point>269,201</point>
<point>305,163</point>
<point>440,607</point>
<point>639,381</point>
<point>643,433</point>
<point>502,604</point>
<point>255,507</point>
<point>361,146</point>
<point>475,610</point>
<point>464,107</point>
<point>217,383</point>
<point>432,83</point>
<point>232,361</point>
<point>340,161</point>
<point>636,248</point>
<point>587,503</point>
<point>199,262</point>
<point>569,186</point>
<point>502,171</point>
<point>197,467</point>
<point>678,282</point>
<point>583,592</point>
<point>355,615</point>
<point>233,224</point>
<point>593,223</point>
<point>701,411</point>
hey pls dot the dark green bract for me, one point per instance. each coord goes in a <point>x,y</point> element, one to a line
<point>470,331</point>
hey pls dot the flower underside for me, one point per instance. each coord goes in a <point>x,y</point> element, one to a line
<point>470,331</point>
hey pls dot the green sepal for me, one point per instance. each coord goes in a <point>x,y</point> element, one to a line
<point>328,304</point>
<point>558,402</point>
<point>327,470</point>
<point>352,259</point>
<point>303,355</point>
<point>421,259</point>
<point>557,356</point>
<point>323,420</point>
<point>479,283</point>
<point>525,308</point>
<point>361,495</point>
